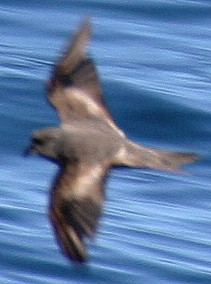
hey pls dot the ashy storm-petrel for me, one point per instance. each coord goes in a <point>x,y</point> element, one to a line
<point>86,145</point>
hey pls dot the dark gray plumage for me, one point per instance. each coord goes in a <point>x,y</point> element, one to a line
<point>86,145</point>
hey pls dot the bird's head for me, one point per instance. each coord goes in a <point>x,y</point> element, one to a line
<point>45,142</point>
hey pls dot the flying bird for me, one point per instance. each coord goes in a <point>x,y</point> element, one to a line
<point>86,145</point>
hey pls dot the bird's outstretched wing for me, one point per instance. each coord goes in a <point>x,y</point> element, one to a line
<point>74,88</point>
<point>75,206</point>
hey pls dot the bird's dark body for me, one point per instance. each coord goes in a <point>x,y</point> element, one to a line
<point>86,145</point>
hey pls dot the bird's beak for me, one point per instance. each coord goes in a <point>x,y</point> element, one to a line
<point>30,150</point>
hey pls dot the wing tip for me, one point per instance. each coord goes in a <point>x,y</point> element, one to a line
<point>85,24</point>
<point>78,256</point>
<point>82,259</point>
<point>76,47</point>
<point>83,33</point>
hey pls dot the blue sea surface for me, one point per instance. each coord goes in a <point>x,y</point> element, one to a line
<point>154,60</point>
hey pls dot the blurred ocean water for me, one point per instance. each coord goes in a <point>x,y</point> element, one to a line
<point>154,59</point>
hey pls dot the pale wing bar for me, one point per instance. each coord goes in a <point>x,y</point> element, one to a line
<point>77,75</point>
<point>76,207</point>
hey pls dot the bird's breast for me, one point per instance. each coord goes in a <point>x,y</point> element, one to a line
<point>89,141</point>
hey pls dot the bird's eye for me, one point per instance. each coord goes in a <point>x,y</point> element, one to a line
<point>38,141</point>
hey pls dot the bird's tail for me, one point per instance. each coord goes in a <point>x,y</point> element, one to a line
<point>135,155</point>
